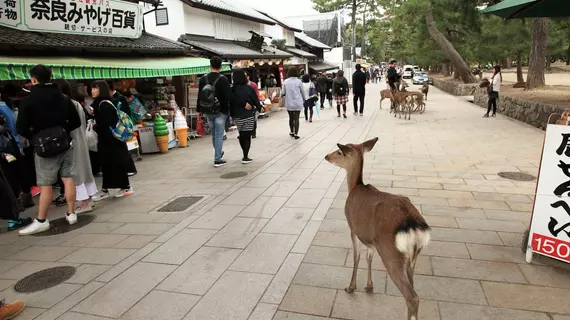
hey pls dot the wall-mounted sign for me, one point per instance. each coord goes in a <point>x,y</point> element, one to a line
<point>109,18</point>
<point>161,16</point>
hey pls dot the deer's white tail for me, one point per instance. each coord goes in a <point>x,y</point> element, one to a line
<point>411,237</point>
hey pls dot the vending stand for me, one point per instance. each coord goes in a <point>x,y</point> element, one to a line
<point>549,233</point>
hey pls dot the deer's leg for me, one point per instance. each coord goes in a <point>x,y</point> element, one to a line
<point>398,267</point>
<point>369,255</point>
<point>356,256</point>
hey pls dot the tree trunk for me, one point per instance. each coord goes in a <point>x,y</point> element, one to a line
<point>460,65</point>
<point>520,78</point>
<point>568,54</point>
<point>445,70</point>
<point>353,23</point>
<point>363,40</point>
<point>535,78</point>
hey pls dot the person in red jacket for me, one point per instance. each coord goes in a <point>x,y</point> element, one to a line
<point>256,89</point>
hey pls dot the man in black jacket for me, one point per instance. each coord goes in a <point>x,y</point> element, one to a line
<point>224,96</point>
<point>46,108</point>
<point>358,89</point>
<point>392,75</point>
<point>322,88</point>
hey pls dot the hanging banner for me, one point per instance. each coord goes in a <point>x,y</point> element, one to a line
<point>109,18</point>
<point>550,226</point>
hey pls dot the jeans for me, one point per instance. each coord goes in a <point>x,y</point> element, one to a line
<point>217,124</point>
<point>294,121</point>
<point>492,103</point>
<point>355,101</point>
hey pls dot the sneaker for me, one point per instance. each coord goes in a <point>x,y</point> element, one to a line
<point>246,160</point>
<point>35,227</point>
<point>220,163</point>
<point>253,137</point>
<point>292,134</point>
<point>311,120</point>
<point>486,115</point>
<point>71,218</point>
<point>101,195</point>
<point>85,209</point>
<point>125,193</point>
<point>17,224</point>
<point>338,115</point>
<point>35,191</point>
<point>59,201</point>
<point>362,114</point>
<point>494,115</point>
<point>355,113</point>
<point>297,137</point>
<point>225,137</point>
<point>11,310</point>
<point>130,174</point>
<point>344,115</point>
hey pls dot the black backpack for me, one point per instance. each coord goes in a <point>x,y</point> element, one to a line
<point>209,103</point>
<point>340,90</point>
<point>53,141</point>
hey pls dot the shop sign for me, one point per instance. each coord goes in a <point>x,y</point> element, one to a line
<point>109,18</point>
<point>550,226</point>
<point>282,73</point>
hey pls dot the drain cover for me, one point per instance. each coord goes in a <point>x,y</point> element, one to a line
<point>233,175</point>
<point>180,204</point>
<point>44,279</point>
<point>518,176</point>
<point>61,225</point>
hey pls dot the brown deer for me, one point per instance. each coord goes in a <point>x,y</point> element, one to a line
<point>384,94</point>
<point>386,222</point>
<point>425,90</point>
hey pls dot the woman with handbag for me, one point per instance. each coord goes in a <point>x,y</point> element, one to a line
<point>113,153</point>
<point>310,91</point>
<point>243,111</point>
<point>493,91</point>
<point>293,97</point>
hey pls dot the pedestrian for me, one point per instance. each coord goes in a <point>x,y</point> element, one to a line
<point>121,102</point>
<point>392,79</point>
<point>330,79</point>
<point>376,75</point>
<point>85,187</point>
<point>214,97</point>
<point>294,99</point>
<point>340,92</point>
<point>47,118</point>
<point>309,90</point>
<point>243,111</point>
<point>322,81</point>
<point>113,153</point>
<point>11,310</point>
<point>493,91</point>
<point>359,80</point>
<point>256,89</point>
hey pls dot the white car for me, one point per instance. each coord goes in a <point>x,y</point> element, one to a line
<point>408,70</point>
<point>420,78</point>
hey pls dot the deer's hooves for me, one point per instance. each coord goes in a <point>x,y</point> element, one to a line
<point>369,289</point>
<point>350,289</point>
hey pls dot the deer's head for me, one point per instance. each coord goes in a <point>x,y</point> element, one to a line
<point>350,155</point>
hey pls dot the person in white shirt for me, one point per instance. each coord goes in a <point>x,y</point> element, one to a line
<point>493,90</point>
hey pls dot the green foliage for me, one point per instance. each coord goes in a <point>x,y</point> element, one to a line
<point>280,44</point>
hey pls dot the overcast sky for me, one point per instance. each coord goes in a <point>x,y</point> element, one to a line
<point>283,8</point>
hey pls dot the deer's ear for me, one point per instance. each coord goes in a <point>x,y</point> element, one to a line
<point>368,145</point>
<point>345,149</point>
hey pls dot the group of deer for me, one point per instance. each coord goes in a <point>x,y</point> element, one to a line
<point>404,101</point>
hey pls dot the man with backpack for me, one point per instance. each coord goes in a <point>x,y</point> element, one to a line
<point>47,118</point>
<point>214,98</point>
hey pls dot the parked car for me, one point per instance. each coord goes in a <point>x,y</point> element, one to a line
<point>408,72</point>
<point>420,78</point>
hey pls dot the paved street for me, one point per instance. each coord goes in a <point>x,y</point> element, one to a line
<point>275,245</point>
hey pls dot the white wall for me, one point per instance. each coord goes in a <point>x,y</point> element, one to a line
<point>289,36</point>
<point>276,32</point>
<point>171,31</point>
<point>198,21</point>
<point>230,28</point>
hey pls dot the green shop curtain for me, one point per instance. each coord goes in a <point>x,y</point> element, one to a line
<point>17,68</point>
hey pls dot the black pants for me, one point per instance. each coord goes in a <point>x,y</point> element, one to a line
<point>131,168</point>
<point>343,108</point>
<point>245,142</point>
<point>355,101</point>
<point>254,132</point>
<point>115,176</point>
<point>308,110</point>
<point>95,164</point>
<point>323,97</point>
<point>492,103</point>
<point>294,121</point>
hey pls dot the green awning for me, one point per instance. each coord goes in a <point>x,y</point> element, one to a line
<point>509,9</point>
<point>17,68</point>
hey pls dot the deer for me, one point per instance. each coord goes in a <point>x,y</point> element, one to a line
<point>387,223</point>
<point>384,94</point>
<point>402,104</point>
<point>425,90</point>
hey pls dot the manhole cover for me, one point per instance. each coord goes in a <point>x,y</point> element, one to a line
<point>59,226</point>
<point>44,279</point>
<point>519,176</point>
<point>233,175</point>
<point>180,204</point>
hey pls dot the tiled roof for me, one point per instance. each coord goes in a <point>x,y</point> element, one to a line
<point>301,53</point>
<point>310,41</point>
<point>284,23</point>
<point>231,8</point>
<point>322,66</point>
<point>230,49</point>
<point>148,43</point>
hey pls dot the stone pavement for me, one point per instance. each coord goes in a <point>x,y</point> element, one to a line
<point>275,245</point>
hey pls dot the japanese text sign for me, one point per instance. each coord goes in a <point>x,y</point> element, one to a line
<point>550,227</point>
<point>110,18</point>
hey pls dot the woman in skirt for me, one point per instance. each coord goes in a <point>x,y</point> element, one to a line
<point>340,92</point>
<point>243,111</point>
